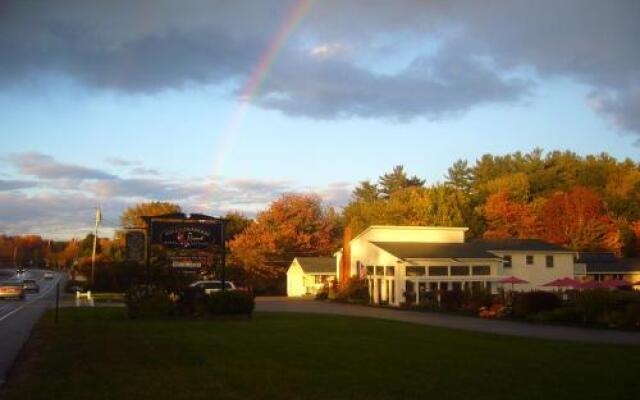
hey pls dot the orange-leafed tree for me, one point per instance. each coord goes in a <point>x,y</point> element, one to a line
<point>132,216</point>
<point>294,225</point>
<point>577,219</point>
<point>506,218</point>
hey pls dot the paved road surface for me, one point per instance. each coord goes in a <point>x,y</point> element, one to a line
<point>283,304</point>
<point>17,317</point>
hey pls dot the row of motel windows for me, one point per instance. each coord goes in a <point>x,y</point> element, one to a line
<point>507,261</point>
<point>455,270</point>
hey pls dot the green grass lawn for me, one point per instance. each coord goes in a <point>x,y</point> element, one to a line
<point>99,354</point>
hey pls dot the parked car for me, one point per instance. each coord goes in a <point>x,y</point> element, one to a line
<point>212,286</point>
<point>12,290</point>
<point>48,275</point>
<point>30,286</point>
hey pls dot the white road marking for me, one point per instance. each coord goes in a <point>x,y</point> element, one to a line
<point>29,302</point>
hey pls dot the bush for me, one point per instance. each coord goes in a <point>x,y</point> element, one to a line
<point>147,301</point>
<point>322,295</point>
<point>354,290</point>
<point>564,314</point>
<point>230,302</point>
<point>606,307</point>
<point>529,303</point>
<point>452,300</point>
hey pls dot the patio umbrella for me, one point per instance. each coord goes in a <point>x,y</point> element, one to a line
<point>616,283</point>
<point>513,280</point>
<point>594,285</point>
<point>563,283</point>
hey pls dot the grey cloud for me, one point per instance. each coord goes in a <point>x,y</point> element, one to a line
<point>431,87</point>
<point>46,167</point>
<point>144,171</point>
<point>148,46</point>
<point>14,184</point>
<point>120,162</point>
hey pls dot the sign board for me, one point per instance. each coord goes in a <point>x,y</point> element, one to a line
<point>188,262</point>
<point>186,235</point>
<point>135,244</point>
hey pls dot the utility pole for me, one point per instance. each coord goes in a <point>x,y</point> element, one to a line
<point>95,244</point>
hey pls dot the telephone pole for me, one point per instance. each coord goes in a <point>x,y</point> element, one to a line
<point>95,244</point>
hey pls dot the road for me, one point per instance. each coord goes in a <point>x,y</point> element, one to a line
<point>17,317</point>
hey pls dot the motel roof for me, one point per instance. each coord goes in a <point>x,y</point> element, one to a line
<point>603,263</point>
<point>518,245</point>
<point>435,250</point>
<point>317,265</point>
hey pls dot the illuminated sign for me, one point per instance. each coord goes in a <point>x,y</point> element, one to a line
<point>186,235</point>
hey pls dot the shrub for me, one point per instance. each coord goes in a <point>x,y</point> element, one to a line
<point>353,290</point>
<point>530,303</point>
<point>631,316</point>
<point>322,295</point>
<point>191,302</point>
<point>230,302</point>
<point>148,301</point>
<point>479,298</point>
<point>452,300</point>
<point>563,314</point>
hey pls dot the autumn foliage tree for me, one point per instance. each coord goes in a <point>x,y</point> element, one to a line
<point>131,217</point>
<point>294,225</point>
<point>506,218</point>
<point>576,219</point>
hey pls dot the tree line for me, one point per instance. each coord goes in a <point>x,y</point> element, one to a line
<point>586,203</point>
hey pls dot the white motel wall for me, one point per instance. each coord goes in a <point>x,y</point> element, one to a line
<point>407,263</point>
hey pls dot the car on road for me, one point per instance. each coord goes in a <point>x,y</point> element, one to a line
<point>31,286</point>
<point>212,286</point>
<point>20,270</point>
<point>48,275</point>
<point>12,290</point>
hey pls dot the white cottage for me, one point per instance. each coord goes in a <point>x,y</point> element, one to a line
<point>307,275</point>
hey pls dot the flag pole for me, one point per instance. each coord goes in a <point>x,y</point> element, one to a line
<point>95,244</point>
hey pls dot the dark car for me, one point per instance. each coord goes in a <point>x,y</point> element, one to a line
<point>12,290</point>
<point>20,270</point>
<point>30,286</point>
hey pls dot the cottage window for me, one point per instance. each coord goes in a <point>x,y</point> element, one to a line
<point>391,271</point>
<point>549,261</point>
<point>459,270</point>
<point>379,271</point>
<point>438,271</point>
<point>370,270</point>
<point>415,271</point>
<point>479,270</point>
<point>529,260</point>
<point>506,261</point>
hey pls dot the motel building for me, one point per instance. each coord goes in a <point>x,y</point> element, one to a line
<point>308,275</point>
<point>404,264</point>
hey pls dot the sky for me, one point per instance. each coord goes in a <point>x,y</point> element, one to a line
<point>222,106</point>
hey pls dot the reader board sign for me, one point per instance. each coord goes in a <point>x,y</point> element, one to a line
<point>188,262</point>
<point>186,235</point>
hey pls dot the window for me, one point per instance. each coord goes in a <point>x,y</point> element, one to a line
<point>549,261</point>
<point>321,278</point>
<point>529,260</point>
<point>370,270</point>
<point>415,271</point>
<point>438,271</point>
<point>391,271</point>
<point>379,271</point>
<point>481,270</point>
<point>459,270</point>
<point>506,261</point>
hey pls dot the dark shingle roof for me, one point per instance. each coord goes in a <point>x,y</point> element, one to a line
<point>591,258</point>
<point>434,250</point>
<point>517,245</point>
<point>317,265</point>
<point>613,265</point>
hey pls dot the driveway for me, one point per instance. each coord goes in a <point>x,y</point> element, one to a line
<point>283,304</point>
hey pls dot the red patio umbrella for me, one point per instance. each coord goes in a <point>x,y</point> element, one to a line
<point>513,280</point>
<point>594,285</point>
<point>616,283</point>
<point>563,283</point>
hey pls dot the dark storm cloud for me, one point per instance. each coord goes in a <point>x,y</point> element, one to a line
<point>149,46</point>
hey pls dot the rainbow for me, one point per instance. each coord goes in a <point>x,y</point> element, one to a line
<point>290,22</point>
